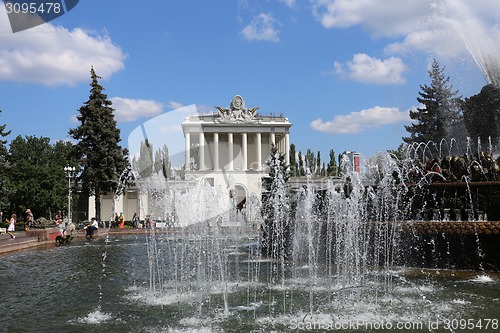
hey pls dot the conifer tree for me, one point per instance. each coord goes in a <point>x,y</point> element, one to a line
<point>143,164</point>
<point>331,169</point>
<point>98,149</point>
<point>293,161</point>
<point>274,210</point>
<point>275,159</point>
<point>302,171</point>
<point>318,163</point>
<point>166,164</point>
<point>4,166</point>
<point>310,161</point>
<point>440,112</point>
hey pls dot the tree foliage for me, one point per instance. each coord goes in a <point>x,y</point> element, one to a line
<point>332,169</point>
<point>302,170</point>
<point>310,161</point>
<point>98,148</point>
<point>277,170</point>
<point>274,207</point>
<point>440,115</point>
<point>146,164</point>
<point>37,175</point>
<point>294,168</point>
<point>143,164</point>
<point>482,114</point>
<point>4,166</point>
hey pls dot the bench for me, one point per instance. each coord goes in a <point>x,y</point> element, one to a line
<point>3,230</point>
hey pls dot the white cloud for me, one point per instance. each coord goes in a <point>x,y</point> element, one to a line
<point>364,68</point>
<point>53,55</point>
<point>127,109</point>
<point>262,28</point>
<point>356,122</point>
<point>379,17</point>
<point>447,28</point>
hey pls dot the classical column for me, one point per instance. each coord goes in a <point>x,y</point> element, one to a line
<point>216,151</point>
<point>202,151</point>
<point>287,148</point>
<point>273,139</point>
<point>244,150</point>
<point>230,147</point>
<point>187,142</point>
<point>259,151</point>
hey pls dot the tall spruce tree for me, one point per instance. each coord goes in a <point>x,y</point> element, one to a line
<point>310,161</point>
<point>276,228</point>
<point>318,163</point>
<point>294,168</point>
<point>4,166</point>
<point>98,149</point>
<point>166,164</point>
<point>143,165</point>
<point>331,169</point>
<point>440,115</point>
<point>302,171</point>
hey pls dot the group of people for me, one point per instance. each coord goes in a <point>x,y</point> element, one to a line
<point>119,221</point>
<point>12,223</point>
<point>91,228</point>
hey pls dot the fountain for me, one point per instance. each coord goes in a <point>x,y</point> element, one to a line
<point>340,262</point>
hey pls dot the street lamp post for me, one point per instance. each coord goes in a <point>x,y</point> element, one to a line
<point>70,171</point>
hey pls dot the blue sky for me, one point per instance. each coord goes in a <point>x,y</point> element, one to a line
<point>345,72</point>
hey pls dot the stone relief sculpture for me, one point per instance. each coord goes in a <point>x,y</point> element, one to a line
<point>237,112</point>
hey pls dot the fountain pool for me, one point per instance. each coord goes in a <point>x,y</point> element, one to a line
<point>116,285</point>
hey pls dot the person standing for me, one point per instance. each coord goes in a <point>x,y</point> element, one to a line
<point>12,226</point>
<point>136,220</point>
<point>122,221</point>
<point>29,219</point>
<point>117,221</point>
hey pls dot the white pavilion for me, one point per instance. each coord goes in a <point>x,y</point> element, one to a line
<point>227,149</point>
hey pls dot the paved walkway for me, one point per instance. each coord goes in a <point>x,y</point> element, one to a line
<point>8,244</point>
<point>21,242</point>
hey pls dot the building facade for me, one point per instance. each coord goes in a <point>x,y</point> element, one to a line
<point>227,149</point>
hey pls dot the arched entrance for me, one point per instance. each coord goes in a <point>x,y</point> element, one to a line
<point>240,196</point>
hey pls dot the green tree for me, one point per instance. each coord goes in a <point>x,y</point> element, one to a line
<point>98,149</point>
<point>482,115</point>
<point>302,171</point>
<point>332,169</point>
<point>37,175</point>
<point>165,163</point>
<point>4,166</point>
<point>143,164</point>
<point>274,209</point>
<point>318,163</point>
<point>310,161</point>
<point>277,168</point>
<point>440,115</point>
<point>293,161</point>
